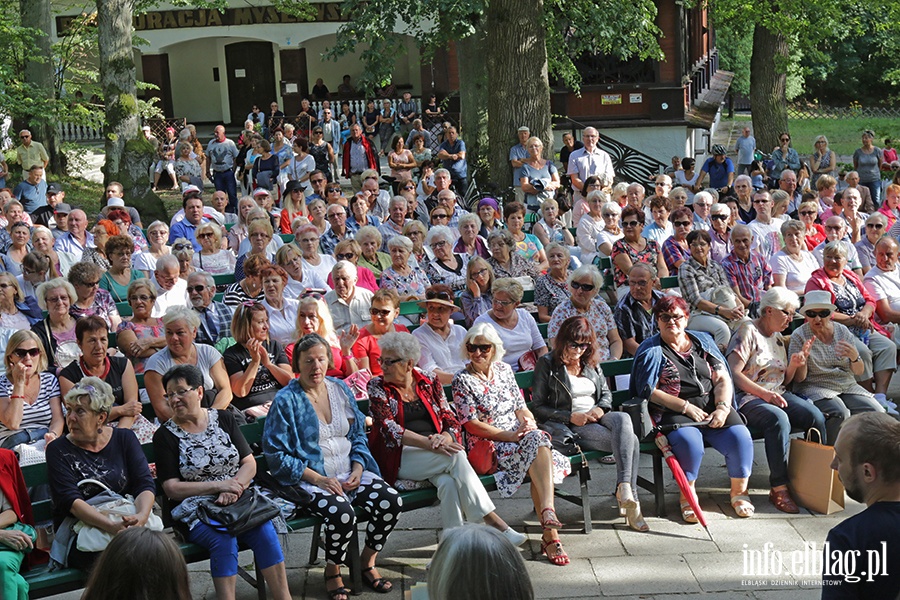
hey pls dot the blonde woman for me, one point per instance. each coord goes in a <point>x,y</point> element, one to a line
<point>313,316</point>
<point>211,257</point>
<point>238,233</point>
<point>157,237</point>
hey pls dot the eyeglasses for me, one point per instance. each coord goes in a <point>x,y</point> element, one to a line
<point>808,213</point>
<point>56,299</point>
<point>818,314</point>
<point>180,247</point>
<point>719,217</point>
<point>502,302</point>
<point>834,227</point>
<point>579,346</point>
<point>701,204</point>
<point>379,312</point>
<point>788,313</point>
<point>630,223</point>
<point>438,244</point>
<point>682,223</point>
<point>23,352</point>
<point>178,394</point>
<point>85,283</point>
<point>140,298</point>
<point>785,139</point>
<point>586,287</point>
<point>440,216</point>
<point>196,288</point>
<point>875,225</point>
<point>479,348</point>
<point>388,362</point>
<point>336,215</point>
<point>610,215</point>
<point>345,256</point>
<point>24,137</point>
<point>666,317</point>
<point>760,201</point>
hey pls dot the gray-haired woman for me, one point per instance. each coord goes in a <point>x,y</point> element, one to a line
<point>584,285</point>
<point>409,282</point>
<point>446,267</point>
<point>416,436</point>
<point>505,261</point>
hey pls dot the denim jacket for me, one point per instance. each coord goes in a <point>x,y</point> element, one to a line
<point>552,390</point>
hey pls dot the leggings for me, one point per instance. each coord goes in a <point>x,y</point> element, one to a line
<point>379,502</point>
<point>614,433</point>
<point>733,442</point>
<point>223,547</point>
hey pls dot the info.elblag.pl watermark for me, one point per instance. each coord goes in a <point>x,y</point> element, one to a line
<point>813,564</point>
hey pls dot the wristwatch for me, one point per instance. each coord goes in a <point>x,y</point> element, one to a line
<point>857,359</point>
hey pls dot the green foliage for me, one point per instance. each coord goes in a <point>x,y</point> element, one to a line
<point>735,46</point>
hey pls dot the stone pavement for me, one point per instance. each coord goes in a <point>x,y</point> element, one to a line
<point>674,560</point>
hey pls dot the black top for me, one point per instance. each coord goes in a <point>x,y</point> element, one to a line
<point>117,366</point>
<point>417,419</point>
<point>264,386</point>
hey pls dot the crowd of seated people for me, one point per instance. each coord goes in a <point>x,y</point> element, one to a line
<point>391,297</point>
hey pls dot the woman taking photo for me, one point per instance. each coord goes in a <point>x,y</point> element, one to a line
<point>212,258</point>
<point>140,336</point>
<point>181,325</point>
<point>476,298</point>
<point>17,311</point>
<point>94,450</point>
<point>446,267</point>
<point>584,285</point>
<point>686,380</point>
<point>491,409</point>
<point>30,410</point>
<point>257,365</point>
<point>416,436</point>
<point>314,437</point>
<point>282,310</point>
<point>552,288</point>
<point>758,358</point>
<point>250,287</point>
<point>313,316</point>
<point>385,308</point>
<point>634,248</point>
<point>505,261</point>
<point>569,389</point>
<point>202,455</point>
<point>85,277</point>
<point>57,329</point>
<point>528,246</point>
<point>793,264</point>
<point>120,274</point>
<point>833,365</point>
<point>591,225</point>
<point>537,171</point>
<point>93,341</point>
<point>516,329</point>
<point>158,237</point>
<point>289,258</point>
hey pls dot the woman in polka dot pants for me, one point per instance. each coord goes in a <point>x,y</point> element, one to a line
<point>314,437</point>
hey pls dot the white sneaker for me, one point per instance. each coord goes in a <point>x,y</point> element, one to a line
<point>514,536</point>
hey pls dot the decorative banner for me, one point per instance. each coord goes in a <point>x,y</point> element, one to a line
<point>328,12</point>
<point>611,99</point>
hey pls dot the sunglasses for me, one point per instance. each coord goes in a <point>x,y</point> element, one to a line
<point>182,247</point>
<point>820,314</point>
<point>808,213</point>
<point>587,287</point>
<point>438,296</point>
<point>476,348</point>
<point>85,284</point>
<point>440,216</point>
<point>875,225</point>
<point>313,295</point>
<point>760,202</point>
<point>333,190</point>
<point>682,223</point>
<point>785,139</point>
<point>719,217</point>
<point>579,346</point>
<point>666,317</point>
<point>335,215</point>
<point>409,187</point>
<point>196,288</point>
<point>379,312</point>
<point>388,362</point>
<point>345,256</point>
<point>201,236</point>
<point>23,352</point>
<point>834,227</point>
<point>630,223</point>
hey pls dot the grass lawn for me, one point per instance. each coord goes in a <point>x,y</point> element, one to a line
<point>844,135</point>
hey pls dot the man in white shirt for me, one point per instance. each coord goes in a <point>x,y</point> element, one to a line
<point>766,230</point>
<point>349,303</point>
<point>78,237</point>
<point>441,340</point>
<point>883,282</point>
<point>171,290</point>
<point>588,161</point>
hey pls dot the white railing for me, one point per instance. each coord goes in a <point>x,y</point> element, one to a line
<point>90,131</point>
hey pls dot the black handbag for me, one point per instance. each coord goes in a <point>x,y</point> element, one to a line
<point>294,494</point>
<point>562,438</point>
<point>251,510</point>
<point>639,412</point>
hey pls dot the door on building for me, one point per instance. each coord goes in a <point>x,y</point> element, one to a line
<point>156,71</point>
<point>251,78</point>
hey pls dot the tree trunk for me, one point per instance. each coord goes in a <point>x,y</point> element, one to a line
<point>128,153</point>
<point>39,78</point>
<point>519,88</point>
<point>768,77</point>
<point>473,97</point>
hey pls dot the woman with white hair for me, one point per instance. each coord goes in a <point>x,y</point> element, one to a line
<point>446,267</point>
<point>591,226</point>
<point>719,233</point>
<point>612,232</point>
<point>42,240</point>
<point>516,329</point>
<point>876,228</point>
<point>415,436</point>
<point>584,285</point>
<point>470,244</point>
<point>550,228</point>
<point>552,288</point>
<point>181,325</point>
<point>757,354</point>
<point>409,282</point>
<point>212,258</point>
<point>370,255</point>
<point>500,428</point>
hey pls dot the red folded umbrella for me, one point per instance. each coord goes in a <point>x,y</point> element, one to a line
<point>662,442</point>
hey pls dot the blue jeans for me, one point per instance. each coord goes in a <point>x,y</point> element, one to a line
<point>875,189</point>
<point>224,182</point>
<point>776,424</point>
<point>25,436</point>
<point>223,547</point>
<point>733,442</point>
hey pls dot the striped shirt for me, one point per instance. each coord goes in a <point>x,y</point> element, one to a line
<point>34,415</point>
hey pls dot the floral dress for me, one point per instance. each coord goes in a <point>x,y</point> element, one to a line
<point>495,402</point>
<point>141,332</point>
<point>599,316</point>
<point>648,255</point>
<point>413,284</point>
<point>550,293</point>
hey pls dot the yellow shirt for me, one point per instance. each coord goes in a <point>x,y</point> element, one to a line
<point>34,154</point>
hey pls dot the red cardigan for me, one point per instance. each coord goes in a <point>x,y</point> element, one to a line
<point>12,484</point>
<point>819,281</point>
<point>370,155</point>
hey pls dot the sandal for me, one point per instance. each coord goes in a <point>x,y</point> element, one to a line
<point>687,513</point>
<point>551,521</point>
<point>742,506</point>
<point>608,460</point>
<point>379,584</point>
<point>338,593</point>
<point>560,558</point>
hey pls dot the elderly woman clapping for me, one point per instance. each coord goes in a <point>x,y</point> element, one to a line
<point>855,308</point>
<point>416,436</point>
<point>759,361</point>
<point>833,364</point>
